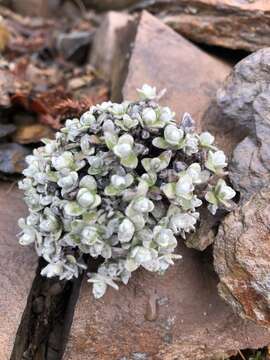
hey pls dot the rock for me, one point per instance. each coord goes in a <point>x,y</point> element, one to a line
<point>245,100</point>
<point>75,45</point>
<point>105,59</point>
<point>6,87</point>
<point>206,232</point>
<point>224,23</point>
<point>35,7</point>
<point>6,129</point>
<point>178,71</point>
<point>191,322</point>
<point>105,5</point>
<point>215,22</point>
<point>32,133</point>
<point>12,158</point>
<point>178,315</point>
<point>17,267</point>
<point>242,259</point>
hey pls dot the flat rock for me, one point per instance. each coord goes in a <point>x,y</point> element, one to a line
<point>242,258</point>
<point>32,133</point>
<point>221,22</point>
<point>17,267</point>
<point>178,315</point>
<point>35,7</point>
<point>75,45</point>
<point>6,129</point>
<point>224,23</point>
<point>12,158</point>
<point>245,100</point>
<point>114,27</point>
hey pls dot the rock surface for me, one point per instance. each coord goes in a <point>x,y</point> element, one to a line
<point>242,259</point>
<point>12,158</point>
<point>113,28</point>
<point>178,315</point>
<point>17,267</point>
<point>245,100</point>
<point>35,7</point>
<point>224,23</point>
<point>75,45</point>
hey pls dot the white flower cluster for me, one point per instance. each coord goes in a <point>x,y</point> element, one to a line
<point>120,183</point>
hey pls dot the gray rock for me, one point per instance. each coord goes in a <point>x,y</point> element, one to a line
<point>119,30</point>
<point>242,260</point>
<point>12,158</point>
<point>245,100</point>
<point>6,129</point>
<point>73,46</point>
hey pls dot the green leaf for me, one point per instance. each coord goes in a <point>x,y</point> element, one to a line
<point>131,161</point>
<point>110,140</point>
<point>169,190</point>
<point>160,143</point>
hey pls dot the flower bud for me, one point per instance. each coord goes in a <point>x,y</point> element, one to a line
<point>85,198</point>
<point>173,135</point>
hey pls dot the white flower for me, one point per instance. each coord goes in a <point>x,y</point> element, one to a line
<point>63,161</point>
<point>219,195</point>
<point>142,204</point>
<point>216,161</point>
<point>68,182</point>
<point>206,139</point>
<point>166,115</point>
<point>183,221</point>
<point>87,119</point>
<point>147,92</point>
<point>124,150</point>
<point>173,135</point>
<point>126,231</point>
<point>52,269</point>
<point>184,187</point>
<point>141,254</point>
<point>164,237</point>
<point>149,116</point>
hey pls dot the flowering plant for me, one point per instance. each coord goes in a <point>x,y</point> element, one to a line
<point>120,183</point>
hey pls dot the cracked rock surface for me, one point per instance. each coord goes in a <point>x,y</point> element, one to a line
<point>245,100</point>
<point>242,258</point>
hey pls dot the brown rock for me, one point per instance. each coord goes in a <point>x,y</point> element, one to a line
<point>224,23</point>
<point>164,59</point>
<point>35,7</point>
<point>191,321</point>
<point>32,133</point>
<point>178,315</point>
<point>245,99</point>
<point>6,87</point>
<point>17,267</point>
<point>105,5</point>
<point>111,59</point>
<point>242,258</point>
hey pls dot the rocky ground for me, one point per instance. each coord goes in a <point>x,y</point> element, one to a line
<point>58,58</point>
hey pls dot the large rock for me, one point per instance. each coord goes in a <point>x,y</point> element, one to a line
<point>242,258</point>
<point>17,267</point>
<point>118,30</point>
<point>220,22</point>
<point>245,100</point>
<point>224,23</point>
<point>178,315</point>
